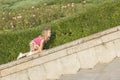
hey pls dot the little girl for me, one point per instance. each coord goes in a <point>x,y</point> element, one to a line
<point>36,45</point>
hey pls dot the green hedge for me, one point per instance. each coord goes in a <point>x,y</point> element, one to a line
<point>63,30</point>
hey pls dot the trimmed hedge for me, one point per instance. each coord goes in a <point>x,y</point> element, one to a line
<point>63,30</point>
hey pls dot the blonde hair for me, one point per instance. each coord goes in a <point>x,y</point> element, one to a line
<point>45,33</point>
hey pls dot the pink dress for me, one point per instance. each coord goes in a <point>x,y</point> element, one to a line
<point>37,41</point>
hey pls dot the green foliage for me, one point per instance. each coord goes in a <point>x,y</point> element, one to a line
<point>63,30</point>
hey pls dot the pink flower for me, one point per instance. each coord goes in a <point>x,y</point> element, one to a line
<point>84,1</point>
<point>14,18</point>
<point>72,5</point>
<point>3,18</point>
<point>37,8</point>
<point>3,13</point>
<point>33,15</point>
<point>19,17</point>
<point>68,5</point>
<point>33,7</point>
<point>45,4</point>
<point>63,7</point>
<point>18,22</point>
<point>9,13</point>
<point>11,24</point>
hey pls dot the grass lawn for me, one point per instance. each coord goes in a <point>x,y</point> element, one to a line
<point>23,14</point>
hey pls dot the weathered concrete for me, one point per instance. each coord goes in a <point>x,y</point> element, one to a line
<point>53,69</point>
<point>111,36</point>
<point>32,63</point>
<point>109,71</point>
<point>105,52</point>
<point>37,73</point>
<point>17,76</point>
<point>88,58</point>
<point>85,53</point>
<point>70,64</point>
<point>117,47</point>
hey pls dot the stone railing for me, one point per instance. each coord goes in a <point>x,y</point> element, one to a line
<point>83,53</point>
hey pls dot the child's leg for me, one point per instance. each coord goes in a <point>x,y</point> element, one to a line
<point>32,49</point>
<point>21,55</point>
<point>32,46</point>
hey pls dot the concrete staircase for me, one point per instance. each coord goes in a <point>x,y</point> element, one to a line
<point>109,71</point>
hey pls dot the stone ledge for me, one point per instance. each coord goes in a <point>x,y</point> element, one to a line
<point>83,46</point>
<point>37,71</point>
<point>102,33</point>
<point>22,75</point>
<point>32,63</point>
<point>110,36</point>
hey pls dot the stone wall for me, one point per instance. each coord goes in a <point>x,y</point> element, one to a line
<point>69,58</point>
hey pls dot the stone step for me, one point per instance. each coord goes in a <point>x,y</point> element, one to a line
<point>109,71</point>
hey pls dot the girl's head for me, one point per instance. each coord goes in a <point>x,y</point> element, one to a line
<point>46,33</point>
